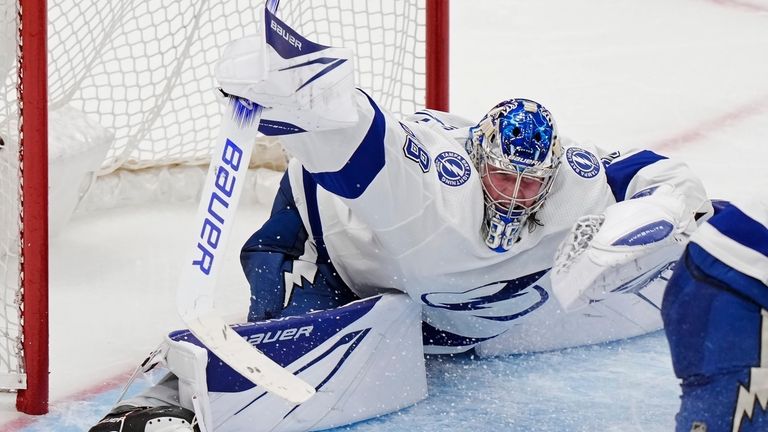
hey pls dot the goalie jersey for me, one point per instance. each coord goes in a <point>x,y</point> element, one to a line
<point>398,205</point>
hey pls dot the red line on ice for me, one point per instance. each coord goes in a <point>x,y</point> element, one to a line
<point>744,5</point>
<point>749,109</point>
<point>108,384</point>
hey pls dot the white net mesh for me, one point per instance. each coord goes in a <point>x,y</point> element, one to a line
<point>10,246</point>
<point>145,69</point>
<point>389,40</point>
<point>141,73</point>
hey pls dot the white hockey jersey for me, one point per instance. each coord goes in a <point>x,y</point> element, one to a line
<point>400,207</point>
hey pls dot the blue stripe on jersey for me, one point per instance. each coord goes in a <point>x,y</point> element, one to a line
<point>313,214</point>
<point>730,278</point>
<point>432,116</point>
<point>621,172</point>
<point>736,225</point>
<point>366,162</point>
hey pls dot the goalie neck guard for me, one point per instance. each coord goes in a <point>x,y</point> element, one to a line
<point>516,150</point>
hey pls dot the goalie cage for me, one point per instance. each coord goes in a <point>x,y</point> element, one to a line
<point>130,83</point>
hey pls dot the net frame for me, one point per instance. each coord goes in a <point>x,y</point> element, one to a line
<point>32,296</point>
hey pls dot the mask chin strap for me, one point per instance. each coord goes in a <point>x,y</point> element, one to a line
<point>503,228</point>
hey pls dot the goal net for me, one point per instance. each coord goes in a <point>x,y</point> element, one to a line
<point>131,98</point>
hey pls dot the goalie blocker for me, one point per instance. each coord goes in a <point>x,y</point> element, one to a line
<point>365,359</point>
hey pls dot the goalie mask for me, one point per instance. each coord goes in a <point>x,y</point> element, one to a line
<point>516,150</point>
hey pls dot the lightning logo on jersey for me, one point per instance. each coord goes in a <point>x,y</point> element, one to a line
<point>304,268</point>
<point>583,163</point>
<point>452,168</point>
<point>758,383</point>
<point>498,301</point>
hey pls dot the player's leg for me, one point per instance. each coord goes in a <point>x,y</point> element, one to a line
<point>283,270</point>
<point>715,336</point>
<point>365,358</point>
<point>271,250</point>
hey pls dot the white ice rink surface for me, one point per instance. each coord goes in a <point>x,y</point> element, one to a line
<point>686,78</point>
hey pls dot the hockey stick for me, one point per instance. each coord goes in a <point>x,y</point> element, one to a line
<point>214,220</point>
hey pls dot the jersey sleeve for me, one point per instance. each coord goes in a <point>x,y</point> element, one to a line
<point>639,173</point>
<point>384,170</point>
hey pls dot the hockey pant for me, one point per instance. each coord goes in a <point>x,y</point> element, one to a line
<point>286,273</point>
<point>715,334</point>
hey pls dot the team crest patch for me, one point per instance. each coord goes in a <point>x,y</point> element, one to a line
<point>452,169</point>
<point>583,163</point>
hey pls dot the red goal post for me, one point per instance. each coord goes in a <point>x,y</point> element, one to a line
<point>33,233</point>
<point>137,76</point>
<point>437,55</point>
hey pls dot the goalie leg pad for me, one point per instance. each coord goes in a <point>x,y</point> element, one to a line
<point>365,359</point>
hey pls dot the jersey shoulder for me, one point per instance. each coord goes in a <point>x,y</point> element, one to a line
<point>438,131</point>
<point>439,119</point>
<point>581,162</point>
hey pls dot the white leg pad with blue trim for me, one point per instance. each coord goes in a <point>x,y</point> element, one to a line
<point>365,359</point>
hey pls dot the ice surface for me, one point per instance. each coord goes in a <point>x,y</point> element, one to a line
<point>622,386</point>
<point>685,78</point>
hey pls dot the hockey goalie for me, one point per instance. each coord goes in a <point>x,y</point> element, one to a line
<point>389,238</point>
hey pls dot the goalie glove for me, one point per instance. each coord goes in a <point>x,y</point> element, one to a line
<point>621,251</point>
<point>303,86</point>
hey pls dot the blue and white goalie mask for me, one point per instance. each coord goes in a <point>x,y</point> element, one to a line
<point>516,150</point>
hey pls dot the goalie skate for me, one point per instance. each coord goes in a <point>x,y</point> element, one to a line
<point>144,419</point>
